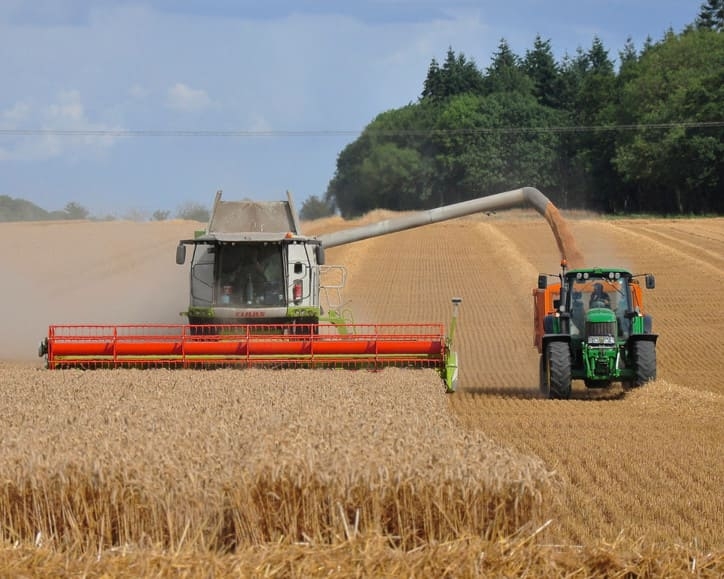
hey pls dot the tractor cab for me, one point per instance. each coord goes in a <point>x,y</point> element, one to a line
<point>598,301</point>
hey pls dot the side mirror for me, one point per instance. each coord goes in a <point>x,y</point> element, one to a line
<point>542,281</point>
<point>180,254</point>
<point>650,281</point>
<point>320,254</point>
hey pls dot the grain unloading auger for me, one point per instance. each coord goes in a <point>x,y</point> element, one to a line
<point>257,287</point>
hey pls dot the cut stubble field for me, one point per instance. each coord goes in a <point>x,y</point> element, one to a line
<point>301,472</point>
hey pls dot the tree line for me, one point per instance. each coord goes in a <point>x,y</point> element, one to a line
<point>643,136</point>
<point>12,209</point>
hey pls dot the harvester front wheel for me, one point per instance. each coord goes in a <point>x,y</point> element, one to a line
<point>644,354</point>
<point>555,380</point>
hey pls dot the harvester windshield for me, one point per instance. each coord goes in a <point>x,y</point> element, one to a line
<point>250,274</point>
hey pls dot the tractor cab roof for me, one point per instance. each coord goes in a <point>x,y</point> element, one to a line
<point>611,273</point>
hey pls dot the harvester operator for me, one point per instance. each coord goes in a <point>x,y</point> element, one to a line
<point>255,269</point>
<point>250,266</point>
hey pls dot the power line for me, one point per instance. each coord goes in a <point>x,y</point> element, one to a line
<point>168,133</point>
<point>119,133</point>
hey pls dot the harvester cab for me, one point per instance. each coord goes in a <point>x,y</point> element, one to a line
<point>253,265</point>
<point>591,326</point>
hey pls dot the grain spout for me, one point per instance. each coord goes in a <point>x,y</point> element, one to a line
<point>564,237</point>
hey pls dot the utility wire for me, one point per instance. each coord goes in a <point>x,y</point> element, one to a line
<point>337,133</point>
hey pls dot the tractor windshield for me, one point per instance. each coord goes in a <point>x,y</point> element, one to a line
<point>588,291</point>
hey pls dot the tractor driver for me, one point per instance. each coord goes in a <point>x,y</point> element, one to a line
<point>599,298</point>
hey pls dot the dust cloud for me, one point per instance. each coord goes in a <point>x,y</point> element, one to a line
<point>88,272</point>
<point>602,245</point>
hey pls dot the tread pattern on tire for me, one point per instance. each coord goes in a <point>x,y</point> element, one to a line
<point>558,370</point>
<point>644,354</point>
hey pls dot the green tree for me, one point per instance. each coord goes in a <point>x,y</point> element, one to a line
<point>315,208</point>
<point>570,166</point>
<point>346,189</point>
<point>193,212</point>
<point>21,210</point>
<point>541,67</point>
<point>676,158</point>
<point>628,54</point>
<point>506,74</point>
<point>590,94</point>
<point>711,15</point>
<point>385,166</point>
<point>160,215</point>
<point>621,198</point>
<point>505,142</point>
<point>75,210</point>
<point>135,215</point>
<point>458,75</point>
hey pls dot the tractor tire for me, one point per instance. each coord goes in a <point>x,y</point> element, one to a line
<point>644,355</point>
<point>557,376</point>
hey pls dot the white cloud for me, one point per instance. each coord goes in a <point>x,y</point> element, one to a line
<point>184,98</point>
<point>67,111</point>
<point>64,130</point>
<point>259,124</point>
<point>137,91</point>
<point>15,115</point>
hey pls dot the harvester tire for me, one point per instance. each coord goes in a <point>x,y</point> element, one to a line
<point>556,380</point>
<point>644,355</point>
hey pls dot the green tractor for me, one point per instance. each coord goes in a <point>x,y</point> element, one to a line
<point>591,326</point>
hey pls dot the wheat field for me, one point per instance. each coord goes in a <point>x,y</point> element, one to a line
<point>331,472</point>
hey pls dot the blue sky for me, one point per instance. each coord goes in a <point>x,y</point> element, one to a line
<point>266,68</point>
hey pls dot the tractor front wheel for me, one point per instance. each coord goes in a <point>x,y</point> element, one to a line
<point>644,355</point>
<point>556,371</point>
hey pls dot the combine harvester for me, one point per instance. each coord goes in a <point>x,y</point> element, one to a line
<point>257,291</point>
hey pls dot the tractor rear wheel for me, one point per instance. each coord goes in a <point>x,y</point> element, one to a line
<point>644,355</point>
<point>556,382</point>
